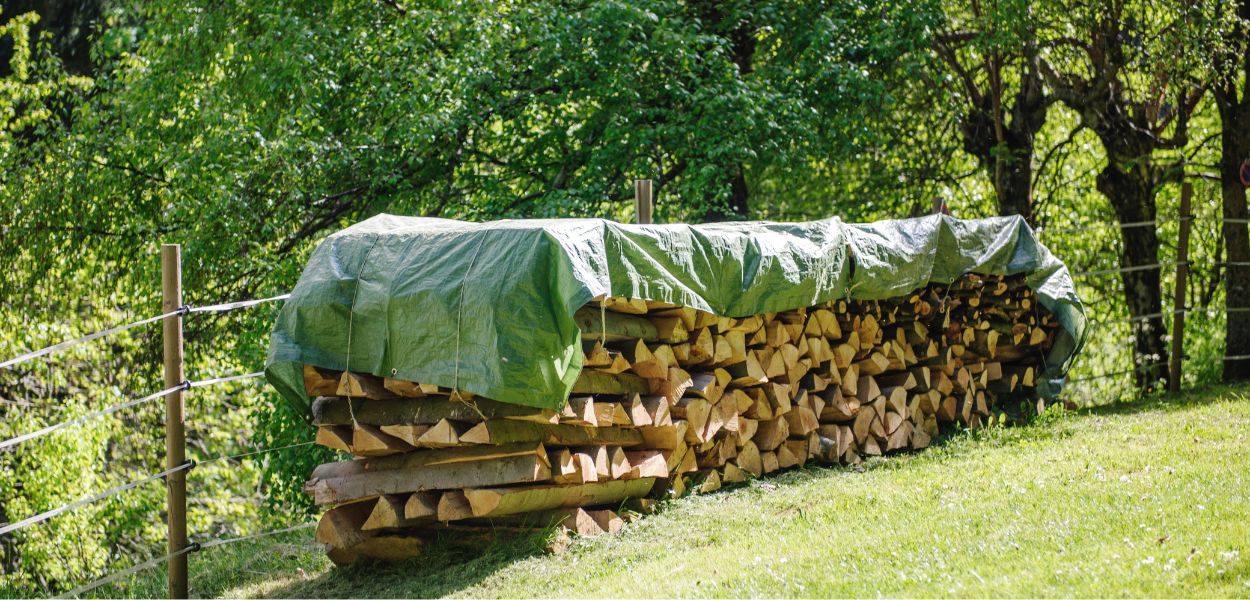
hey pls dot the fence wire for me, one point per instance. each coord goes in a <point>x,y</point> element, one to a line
<point>186,385</point>
<point>225,379</point>
<point>148,564</point>
<point>1209,310</point>
<point>229,306</point>
<point>1106,225</point>
<point>243,538</point>
<point>1137,369</point>
<point>1132,269</point>
<point>255,452</point>
<point>44,516</point>
<point>181,311</point>
<point>9,443</point>
<point>84,339</point>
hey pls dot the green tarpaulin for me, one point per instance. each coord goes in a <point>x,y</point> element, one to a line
<point>488,307</point>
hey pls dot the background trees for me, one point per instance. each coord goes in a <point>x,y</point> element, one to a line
<point>249,130</point>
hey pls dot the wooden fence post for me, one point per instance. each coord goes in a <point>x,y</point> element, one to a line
<point>175,440</point>
<point>1178,298</point>
<point>642,201</point>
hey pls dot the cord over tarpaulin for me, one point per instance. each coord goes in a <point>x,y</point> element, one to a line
<point>488,307</point>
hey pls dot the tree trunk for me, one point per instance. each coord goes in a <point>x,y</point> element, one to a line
<point>1131,193</point>
<point>1009,166</point>
<point>1234,111</point>
<point>741,35</point>
<point>1009,163</point>
<point>1235,148</point>
<point>71,23</point>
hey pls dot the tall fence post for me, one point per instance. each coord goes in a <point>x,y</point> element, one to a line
<point>175,440</point>
<point>642,201</point>
<point>1178,298</point>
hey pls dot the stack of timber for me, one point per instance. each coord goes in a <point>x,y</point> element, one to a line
<point>671,400</point>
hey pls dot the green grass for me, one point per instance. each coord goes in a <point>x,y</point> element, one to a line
<point>1143,499</point>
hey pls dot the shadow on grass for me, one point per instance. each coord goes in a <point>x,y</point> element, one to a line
<point>1188,398</point>
<point>446,567</point>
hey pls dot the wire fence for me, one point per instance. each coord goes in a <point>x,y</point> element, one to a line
<point>193,547</point>
<point>8,444</point>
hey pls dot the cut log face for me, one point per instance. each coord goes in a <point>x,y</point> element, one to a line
<point>670,400</point>
<point>453,506</point>
<point>337,437</point>
<point>368,440</point>
<point>321,382</point>
<point>356,385</point>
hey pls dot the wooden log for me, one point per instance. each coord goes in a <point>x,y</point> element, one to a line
<point>359,385</point>
<point>867,390</point>
<point>646,464</point>
<point>702,348</point>
<point>473,466</point>
<point>607,521</point>
<point>490,502</point>
<point>670,330</point>
<point>336,437</point>
<point>749,460</point>
<point>748,372</point>
<point>630,306</point>
<point>407,389</point>
<point>769,462</point>
<point>453,506</point>
<point>443,434</point>
<point>330,410</point>
<point>618,463</point>
<point>658,410</point>
<point>802,421</point>
<point>321,382</point>
<point>368,440</point>
<point>666,437</point>
<point>840,410</point>
<point>672,388</point>
<point>342,526</point>
<point>771,434</point>
<point>503,431</point>
<point>637,413</point>
<point>747,429</point>
<point>618,384</point>
<point>730,474</point>
<point>709,482</point>
<point>389,513</point>
<point>421,504</point>
<point>408,433</point>
<point>570,467</point>
<point>610,326</point>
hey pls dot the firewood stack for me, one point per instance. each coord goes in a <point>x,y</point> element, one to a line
<point>670,400</point>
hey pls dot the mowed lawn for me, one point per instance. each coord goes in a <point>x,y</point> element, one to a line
<point>1144,499</point>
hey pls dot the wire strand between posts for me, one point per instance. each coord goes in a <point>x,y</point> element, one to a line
<point>87,338</point>
<point>44,516</point>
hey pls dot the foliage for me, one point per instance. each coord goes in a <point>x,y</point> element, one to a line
<point>249,130</point>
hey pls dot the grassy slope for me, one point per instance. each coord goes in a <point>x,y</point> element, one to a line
<point>1149,499</point>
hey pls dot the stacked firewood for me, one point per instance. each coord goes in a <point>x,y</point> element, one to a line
<point>670,400</point>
